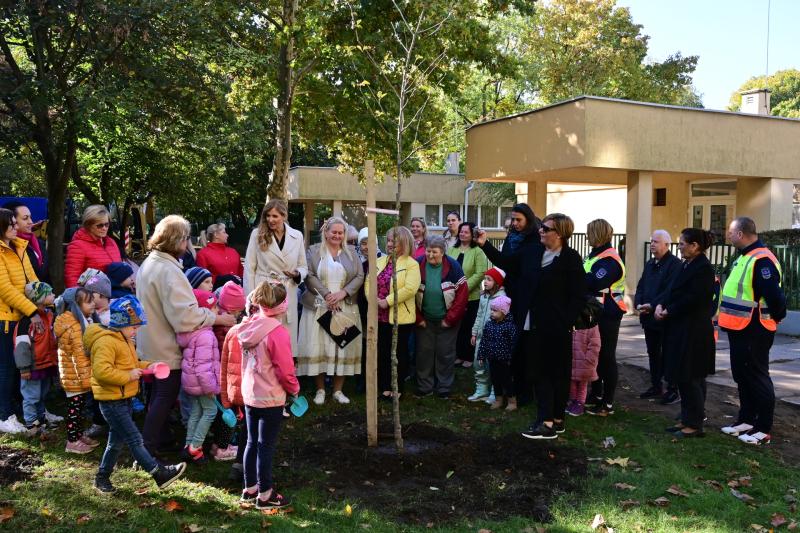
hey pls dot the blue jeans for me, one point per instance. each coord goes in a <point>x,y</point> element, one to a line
<point>33,395</point>
<point>204,409</point>
<point>122,430</point>
<point>263,425</point>
<point>9,375</point>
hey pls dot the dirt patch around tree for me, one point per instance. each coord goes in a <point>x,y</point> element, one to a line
<point>441,476</point>
<point>16,465</point>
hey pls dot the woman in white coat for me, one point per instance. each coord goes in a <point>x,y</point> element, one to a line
<point>277,253</point>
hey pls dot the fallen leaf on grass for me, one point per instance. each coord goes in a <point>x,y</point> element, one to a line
<point>192,528</point>
<point>624,486</point>
<point>331,490</point>
<point>6,513</point>
<point>621,461</point>
<point>141,492</point>
<point>429,525</point>
<point>348,510</point>
<point>598,521</point>
<point>46,512</point>
<point>676,490</point>
<point>714,484</point>
<point>699,466</point>
<point>792,525</point>
<point>284,463</point>
<point>742,496</point>
<point>744,481</point>
<point>758,527</point>
<point>753,463</point>
<point>434,488</point>
<point>661,501</point>
<point>82,519</point>
<point>266,524</point>
<point>629,504</point>
<point>172,506</point>
<point>121,513</point>
<point>777,520</point>
<point>450,474</point>
<point>609,442</point>
<point>484,531</point>
<point>145,505</point>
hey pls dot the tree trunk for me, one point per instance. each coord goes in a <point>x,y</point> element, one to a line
<point>279,180</point>
<point>57,182</point>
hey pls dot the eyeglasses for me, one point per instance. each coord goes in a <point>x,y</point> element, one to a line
<point>102,225</point>
<point>187,237</point>
<point>546,229</point>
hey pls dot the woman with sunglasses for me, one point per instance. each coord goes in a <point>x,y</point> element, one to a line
<point>91,246</point>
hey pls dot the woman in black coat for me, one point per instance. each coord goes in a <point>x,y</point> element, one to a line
<point>689,347</point>
<point>557,300</point>
<point>521,259</point>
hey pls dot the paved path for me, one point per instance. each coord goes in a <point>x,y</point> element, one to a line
<point>784,359</point>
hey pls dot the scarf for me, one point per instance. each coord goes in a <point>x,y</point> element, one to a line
<point>514,240</point>
<point>33,243</point>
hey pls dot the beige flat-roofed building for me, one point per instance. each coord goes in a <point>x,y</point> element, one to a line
<point>672,166</point>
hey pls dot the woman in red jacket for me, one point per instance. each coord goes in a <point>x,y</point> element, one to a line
<point>91,247</point>
<point>219,258</point>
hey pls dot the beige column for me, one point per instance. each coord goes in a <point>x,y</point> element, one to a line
<point>638,229</point>
<point>537,197</point>
<point>337,208</point>
<point>308,223</point>
<point>768,201</point>
<point>521,190</point>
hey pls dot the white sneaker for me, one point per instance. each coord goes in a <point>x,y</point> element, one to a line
<point>737,430</point>
<point>340,397</point>
<point>52,418</point>
<point>12,425</point>
<point>319,397</point>
<point>490,399</point>
<point>756,438</point>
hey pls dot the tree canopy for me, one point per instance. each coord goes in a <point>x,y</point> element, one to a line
<point>784,88</point>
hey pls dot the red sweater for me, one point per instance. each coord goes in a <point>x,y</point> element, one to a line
<point>220,259</point>
<point>86,251</point>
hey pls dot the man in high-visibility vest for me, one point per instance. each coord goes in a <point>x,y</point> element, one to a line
<point>751,305</point>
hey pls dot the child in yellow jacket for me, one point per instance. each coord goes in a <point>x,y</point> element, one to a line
<point>115,380</point>
<point>75,310</point>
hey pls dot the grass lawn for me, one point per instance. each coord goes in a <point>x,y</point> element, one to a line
<point>694,477</point>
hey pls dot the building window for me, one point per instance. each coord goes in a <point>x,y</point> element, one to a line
<point>472,214</point>
<point>446,208</point>
<point>659,197</point>
<point>796,206</point>
<point>433,215</point>
<point>505,214</point>
<point>714,188</point>
<point>489,217</point>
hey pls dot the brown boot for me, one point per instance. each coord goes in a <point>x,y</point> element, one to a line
<point>498,403</point>
<point>512,404</point>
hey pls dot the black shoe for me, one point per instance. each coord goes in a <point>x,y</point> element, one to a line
<point>670,397</point>
<point>559,427</point>
<point>693,435</point>
<point>274,501</point>
<point>443,395</point>
<point>652,392</point>
<point>249,496</point>
<point>164,476</point>
<point>103,485</point>
<point>540,432</point>
<point>603,409</point>
<point>593,401</point>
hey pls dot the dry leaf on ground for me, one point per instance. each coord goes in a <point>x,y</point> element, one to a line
<point>7,513</point>
<point>484,531</point>
<point>742,496</point>
<point>82,519</point>
<point>676,490</point>
<point>661,501</point>
<point>609,442</point>
<point>629,504</point>
<point>621,461</point>
<point>598,521</point>
<point>192,528</point>
<point>624,486</point>
<point>777,520</point>
<point>172,506</point>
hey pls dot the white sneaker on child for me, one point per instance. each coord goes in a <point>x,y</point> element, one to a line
<point>52,418</point>
<point>340,397</point>
<point>319,397</point>
<point>11,425</point>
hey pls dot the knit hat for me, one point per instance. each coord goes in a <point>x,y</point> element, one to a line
<point>363,234</point>
<point>205,299</point>
<point>197,275</point>
<point>88,274</point>
<point>497,275</point>
<point>37,291</point>
<point>501,303</point>
<point>231,297</point>
<point>98,283</point>
<point>126,311</point>
<point>118,272</point>
<point>225,278</point>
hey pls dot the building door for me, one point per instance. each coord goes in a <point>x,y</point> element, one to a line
<point>712,205</point>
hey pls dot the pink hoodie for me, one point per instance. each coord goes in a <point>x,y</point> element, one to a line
<point>267,365</point>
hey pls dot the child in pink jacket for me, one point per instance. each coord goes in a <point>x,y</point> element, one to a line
<point>585,353</point>
<point>200,379</point>
<point>267,376</point>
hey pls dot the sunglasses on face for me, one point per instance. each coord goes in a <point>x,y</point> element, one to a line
<point>102,225</point>
<point>545,229</point>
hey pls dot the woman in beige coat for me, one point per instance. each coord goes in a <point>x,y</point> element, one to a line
<point>334,277</point>
<point>277,253</point>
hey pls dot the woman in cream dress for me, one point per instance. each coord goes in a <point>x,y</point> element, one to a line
<point>334,277</point>
<point>277,253</point>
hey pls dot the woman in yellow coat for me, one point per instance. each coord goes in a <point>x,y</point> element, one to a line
<point>15,272</point>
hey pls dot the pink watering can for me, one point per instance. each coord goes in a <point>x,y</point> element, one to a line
<point>159,370</point>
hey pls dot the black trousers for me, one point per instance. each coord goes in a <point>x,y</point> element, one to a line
<point>464,349</point>
<point>385,355</point>
<point>654,340</point>
<point>552,373</point>
<point>520,360</point>
<point>750,368</point>
<point>693,402</point>
<point>502,378</point>
<point>606,385</point>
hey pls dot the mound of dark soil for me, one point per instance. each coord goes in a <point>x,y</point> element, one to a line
<point>441,475</point>
<point>16,465</point>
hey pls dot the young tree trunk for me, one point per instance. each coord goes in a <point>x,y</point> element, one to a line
<point>279,180</point>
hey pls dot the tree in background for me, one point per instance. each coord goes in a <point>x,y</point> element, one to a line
<point>784,96</point>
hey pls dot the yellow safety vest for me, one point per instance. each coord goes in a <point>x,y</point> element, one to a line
<point>617,289</point>
<point>738,299</point>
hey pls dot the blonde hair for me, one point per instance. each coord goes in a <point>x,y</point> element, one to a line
<point>264,233</point>
<point>208,235</point>
<point>170,232</point>
<point>424,226</point>
<point>563,225</point>
<point>94,214</point>
<point>267,295</point>
<point>402,236</point>
<point>599,232</point>
<point>324,252</point>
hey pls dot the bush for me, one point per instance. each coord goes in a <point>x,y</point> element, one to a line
<point>778,237</point>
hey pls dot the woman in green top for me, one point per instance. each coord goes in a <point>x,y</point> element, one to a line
<point>474,264</point>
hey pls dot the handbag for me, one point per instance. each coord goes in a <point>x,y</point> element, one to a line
<point>342,334</point>
<point>590,314</point>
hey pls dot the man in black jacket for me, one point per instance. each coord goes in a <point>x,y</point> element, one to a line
<point>659,272</point>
